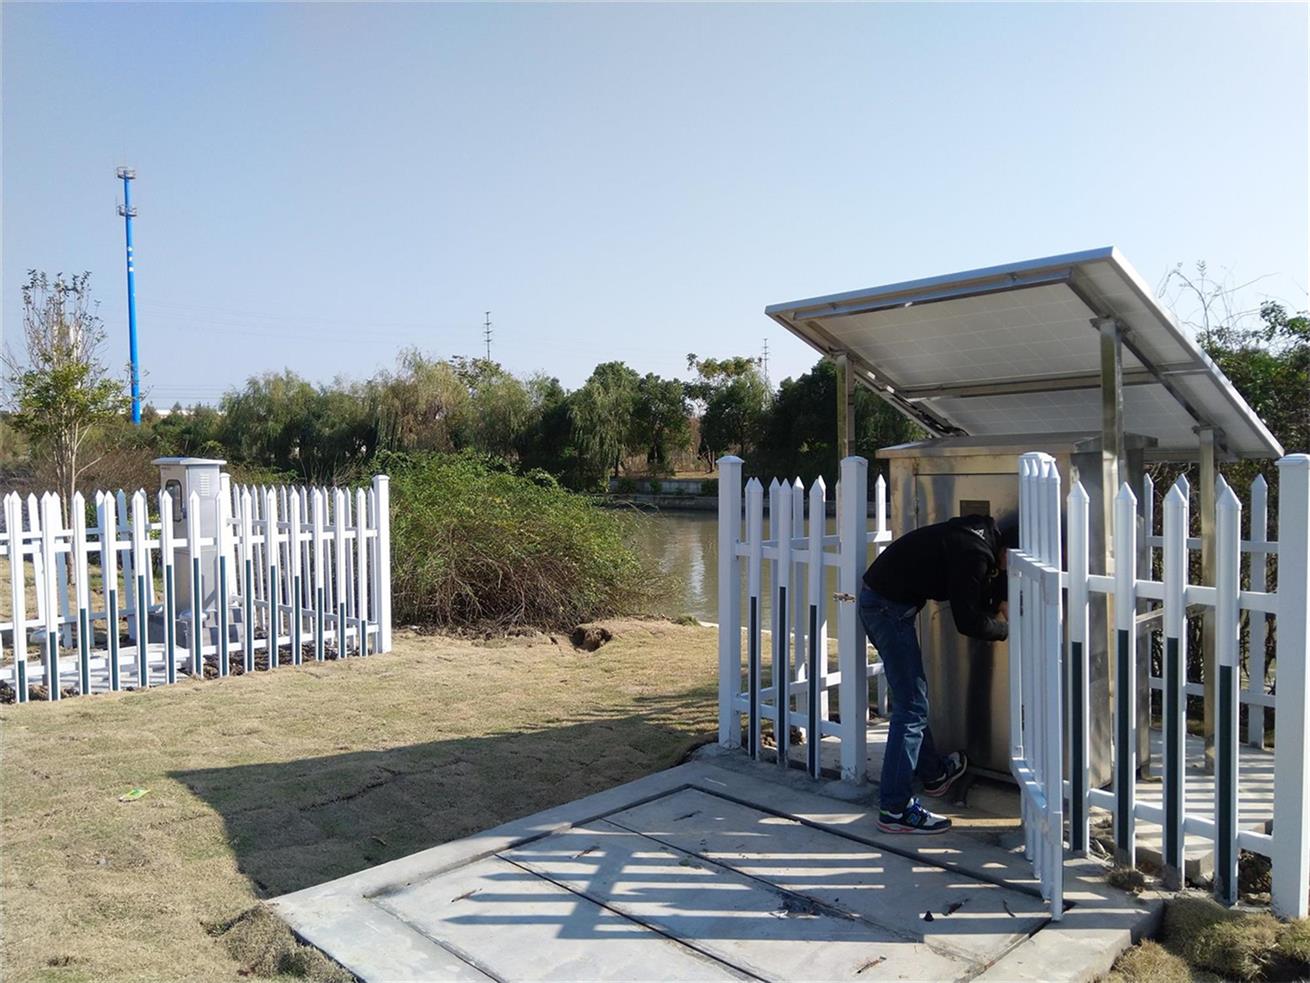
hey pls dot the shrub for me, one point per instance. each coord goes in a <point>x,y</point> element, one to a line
<point>625,486</point>
<point>474,544</point>
<point>710,486</point>
<point>655,486</point>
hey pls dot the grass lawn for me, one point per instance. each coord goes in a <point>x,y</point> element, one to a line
<point>263,784</point>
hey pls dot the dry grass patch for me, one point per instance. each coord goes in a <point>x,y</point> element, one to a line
<point>1150,962</point>
<point>267,783</point>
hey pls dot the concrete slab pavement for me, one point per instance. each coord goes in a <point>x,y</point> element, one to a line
<point>720,868</point>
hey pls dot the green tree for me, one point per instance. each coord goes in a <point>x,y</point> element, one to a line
<point>422,406</point>
<point>660,421</point>
<point>283,423</point>
<point>61,395</point>
<point>800,432</point>
<point>500,406</point>
<point>735,400</point>
<point>601,413</point>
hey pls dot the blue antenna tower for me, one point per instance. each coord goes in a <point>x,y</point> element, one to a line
<point>128,175</point>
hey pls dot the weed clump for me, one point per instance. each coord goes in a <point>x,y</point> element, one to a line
<point>1150,962</point>
<point>265,947</point>
<point>1233,944</point>
<point>476,545</point>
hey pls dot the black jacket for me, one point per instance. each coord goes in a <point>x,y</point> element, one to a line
<point>952,561</point>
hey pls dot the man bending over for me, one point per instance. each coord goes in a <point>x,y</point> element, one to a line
<point>961,561</point>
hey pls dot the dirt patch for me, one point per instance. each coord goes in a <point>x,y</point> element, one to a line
<point>588,638</point>
<point>264,947</point>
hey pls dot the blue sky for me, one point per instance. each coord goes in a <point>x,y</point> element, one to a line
<point>320,185</point>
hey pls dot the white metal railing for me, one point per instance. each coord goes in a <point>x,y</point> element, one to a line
<point>795,691</point>
<point>1035,660</point>
<point>298,569</point>
<point>1287,844</point>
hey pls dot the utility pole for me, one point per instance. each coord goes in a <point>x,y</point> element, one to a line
<point>486,334</point>
<point>764,364</point>
<point>127,175</point>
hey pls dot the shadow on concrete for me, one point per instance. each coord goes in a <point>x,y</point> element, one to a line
<point>294,824</point>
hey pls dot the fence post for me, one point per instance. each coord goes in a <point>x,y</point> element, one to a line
<point>340,586</point>
<point>782,632</point>
<point>197,584</point>
<point>50,512</point>
<point>882,536</point>
<point>1228,640</point>
<point>296,598</point>
<point>167,548</point>
<point>817,669</point>
<point>17,592</point>
<point>382,557</point>
<point>247,505</point>
<point>361,568</point>
<point>729,600</point>
<point>1125,709</point>
<point>1291,848</point>
<point>755,538</point>
<point>109,581</point>
<point>1255,721</point>
<point>1079,702</point>
<point>1175,682</point>
<point>799,584</point>
<point>140,529</point>
<point>225,559</point>
<point>83,588</point>
<point>124,529</point>
<point>272,553</point>
<point>320,558</point>
<point>852,651</point>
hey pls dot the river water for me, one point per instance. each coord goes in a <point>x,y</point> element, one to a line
<point>685,545</point>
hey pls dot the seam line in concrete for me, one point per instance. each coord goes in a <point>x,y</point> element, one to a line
<point>918,938</point>
<point>601,903</point>
<point>955,868</point>
<point>952,867</point>
<point>514,844</point>
<point>450,947</point>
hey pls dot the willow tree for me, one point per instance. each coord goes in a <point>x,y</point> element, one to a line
<point>61,392</point>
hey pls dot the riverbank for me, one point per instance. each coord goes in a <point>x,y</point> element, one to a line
<point>688,503</point>
<point>258,785</point>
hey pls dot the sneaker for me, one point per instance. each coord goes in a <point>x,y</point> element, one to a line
<point>913,819</point>
<point>956,764</point>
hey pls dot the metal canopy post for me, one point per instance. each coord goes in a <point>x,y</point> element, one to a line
<point>845,407</point>
<point>1207,439</point>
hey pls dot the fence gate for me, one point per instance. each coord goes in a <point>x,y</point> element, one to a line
<point>1244,610</point>
<point>1036,644</point>
<point>788,676</point>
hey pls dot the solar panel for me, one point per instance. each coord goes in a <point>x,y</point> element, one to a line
<point>1013,350</point>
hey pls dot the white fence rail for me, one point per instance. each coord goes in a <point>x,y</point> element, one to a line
<point>1174,598</point>
<point>792,686</point>
<point>124,601</point>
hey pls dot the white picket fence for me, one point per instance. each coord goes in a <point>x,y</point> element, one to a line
<point>795,689</point>
<point>301,573</point>
<point>1040,653</point>
<point>1037,633</point>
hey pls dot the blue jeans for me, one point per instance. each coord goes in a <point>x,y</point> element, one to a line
<point>910,749</point>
